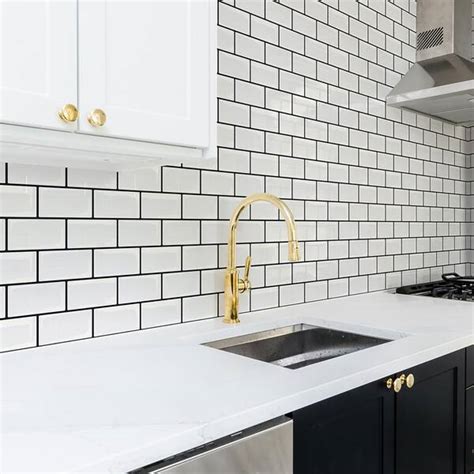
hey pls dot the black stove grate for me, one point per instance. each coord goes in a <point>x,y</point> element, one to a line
<point>452,286</point>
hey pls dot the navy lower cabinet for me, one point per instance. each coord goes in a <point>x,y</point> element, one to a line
<point>373,430</point>
<point>351,433</point>
<point>470,410</point>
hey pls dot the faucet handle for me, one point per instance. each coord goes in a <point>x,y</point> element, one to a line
<point>244,283</point>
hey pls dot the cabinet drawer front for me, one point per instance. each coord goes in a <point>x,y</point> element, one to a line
<point>470,366</point>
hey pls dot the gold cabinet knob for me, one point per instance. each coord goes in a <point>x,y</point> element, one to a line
<point>97,118</point>
<point>69,113</point>
<point>410,380</point>
<point>389,383</point>
<point>398,384</point>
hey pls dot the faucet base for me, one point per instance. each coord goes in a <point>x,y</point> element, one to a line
<point>232,321</point>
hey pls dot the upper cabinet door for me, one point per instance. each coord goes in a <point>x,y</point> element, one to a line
<point>146,65</point>
<point>38,61</point>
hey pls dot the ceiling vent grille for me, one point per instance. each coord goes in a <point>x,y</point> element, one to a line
<point>430,38</point>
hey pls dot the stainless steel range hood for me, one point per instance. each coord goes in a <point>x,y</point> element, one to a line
<point>441,82</point>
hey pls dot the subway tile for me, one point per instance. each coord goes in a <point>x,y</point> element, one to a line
<point>111,262</point>
<point>199,257</point>
<point>61,202</point>
<point>91,293</point>
<point>116,204</point>
<point>116,320</point>
<point>17,267</point>
<point>19,173</point>
<point>160,259</point>
<point>142,179</point>
<point>65,264</point>
<point>200,207</point>
<point>181,232</point>
<point>91,178</point>
<point>161,313</point>
<point>31,234</point>
<point>161,206</point>
<point>63,327</point>
<point>17,201</point>
<point>139,288</point>
<point>135,233</point>
<point>200,307</point>
<point>18,333</point>
<point>91,233</point>
<point>36,298</point>
<point>178,180</point>
<point>180,284</point>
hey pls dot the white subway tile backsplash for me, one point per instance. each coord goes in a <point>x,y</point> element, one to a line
<point>19,173</point>
<point>17,267</point>
<point>132,233</point>
<point>200,307</point>
<point>110,262</point>
<point>139,288</point>
<point>160,259</point>
<point>161,313</point>
<point>17,201</point>
<point>36,298</point>
<point>160,206</point>
<point>197,257</point>
<point>91,233</point>
<point>91,293</point>
<point>65,264</point>
<point>381,196</point>
<point>180,284</point>
<point>18,333</point>
<point>143,179</point>
<point>181,232</point>
<point>32,234</point>
<point>91,178</point>
<point>61,202</point>
<point>117,319</point>
<point>116,204</point>
<point>62,327</point>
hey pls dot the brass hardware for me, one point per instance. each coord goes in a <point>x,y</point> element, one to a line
<point>232,284</point>
<point>69,113</point>
<point>397,385</point>
<point>97,118</point>
<point>389,383</point>
<point>244,283</point>
<point>410,380</point>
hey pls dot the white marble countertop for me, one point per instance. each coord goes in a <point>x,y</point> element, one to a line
<point>117,403</point>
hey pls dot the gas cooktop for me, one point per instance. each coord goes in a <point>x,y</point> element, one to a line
<point>452,286</point>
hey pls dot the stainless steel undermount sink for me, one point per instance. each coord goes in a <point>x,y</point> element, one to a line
<point>297,345</point>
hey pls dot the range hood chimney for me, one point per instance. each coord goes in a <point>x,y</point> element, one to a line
<point>441,82</point>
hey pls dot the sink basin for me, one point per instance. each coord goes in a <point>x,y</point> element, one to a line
<point>297,345</point>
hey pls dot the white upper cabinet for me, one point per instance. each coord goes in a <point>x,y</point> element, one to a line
<point>140,72</point>
<point>141,62</point>
<point>38,61</point>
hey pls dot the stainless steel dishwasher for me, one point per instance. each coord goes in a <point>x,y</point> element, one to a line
<point>263,449</point>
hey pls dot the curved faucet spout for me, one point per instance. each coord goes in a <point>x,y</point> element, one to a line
<point>233,285</point>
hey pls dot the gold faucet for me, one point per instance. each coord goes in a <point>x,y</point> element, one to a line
<point>233,285</point>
